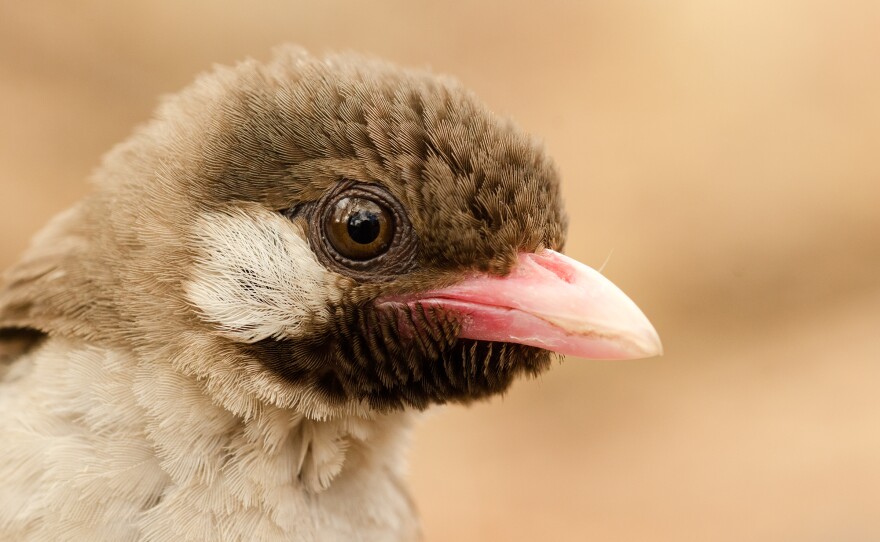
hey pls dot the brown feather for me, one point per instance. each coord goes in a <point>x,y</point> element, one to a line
<point>477,191</point>
<point>180,323</point>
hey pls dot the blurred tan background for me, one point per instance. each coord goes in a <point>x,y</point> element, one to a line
<point>724,154</point>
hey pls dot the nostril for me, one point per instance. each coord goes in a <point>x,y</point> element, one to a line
<point>550,261</point>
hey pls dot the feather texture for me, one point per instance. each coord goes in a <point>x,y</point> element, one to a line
<point>176,363</point>
<point>87,459</point>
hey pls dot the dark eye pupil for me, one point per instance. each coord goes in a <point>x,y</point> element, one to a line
<point>364,227</point>
<point>359,229</point>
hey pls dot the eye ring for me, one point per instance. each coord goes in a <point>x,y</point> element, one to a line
<point>390,241</point>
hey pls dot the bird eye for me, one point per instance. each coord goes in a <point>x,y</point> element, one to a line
<point>359,228</point>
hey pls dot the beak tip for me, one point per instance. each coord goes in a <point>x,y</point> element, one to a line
<point>639,341</point>
<point>656,349</point>
<point>649,342</point>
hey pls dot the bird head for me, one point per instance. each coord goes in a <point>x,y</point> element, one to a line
<point>332,234</point>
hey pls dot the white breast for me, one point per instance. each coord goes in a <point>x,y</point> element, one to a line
<point>96,446</point>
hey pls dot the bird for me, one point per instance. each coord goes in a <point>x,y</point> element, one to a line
<point>231,336</point>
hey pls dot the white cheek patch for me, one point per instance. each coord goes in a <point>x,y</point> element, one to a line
<point>256,277</point>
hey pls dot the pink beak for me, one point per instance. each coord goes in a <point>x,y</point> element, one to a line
<point>552,302</point>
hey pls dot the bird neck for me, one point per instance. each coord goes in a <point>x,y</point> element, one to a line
<point>344,473</point>
<point>169,460</point>
<point>202,441</point>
